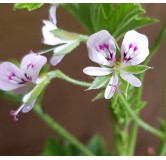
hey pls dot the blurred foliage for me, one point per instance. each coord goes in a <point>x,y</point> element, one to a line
<point>57,147</point>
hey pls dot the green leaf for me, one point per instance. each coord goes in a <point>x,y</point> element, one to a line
<point>136,69</point>
<point>127,17</point>
<point>66,48</point>
<point>82,13</point>
<point>116,18</point>
<point>96,145</point>
<point>28,6</point>
<point>57,147</point>
<point>134,24</point>
<point>52,148</point>
<point>98,96</point>
<point>99,82</point>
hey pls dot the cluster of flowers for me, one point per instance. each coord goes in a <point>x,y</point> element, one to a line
<point>101,49</point>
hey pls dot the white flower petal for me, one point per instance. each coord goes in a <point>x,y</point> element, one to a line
<point>131,79</point>
<point>28,106</point>
<point>52,14</point>
<point>134,49</point>
<point>48,36</point>
<point>50,25</point>
<point>101,48</point>
<point>97,71</point>
<point>31,65</point>
<point>56,59</point>
<point>111,88</point>
<point>11,77</point>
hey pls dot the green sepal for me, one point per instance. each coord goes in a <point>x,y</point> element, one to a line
<point>98,96</point>
<point>67,48</point>
<point>65,35</point>
<point>99,82</point>
<point>136,69</point>
<point>123,86</point>
<point>36,91</point>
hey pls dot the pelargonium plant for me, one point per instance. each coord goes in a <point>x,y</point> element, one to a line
<point>118,76</point>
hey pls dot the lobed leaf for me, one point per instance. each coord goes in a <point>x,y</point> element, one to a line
<point>116,18</point>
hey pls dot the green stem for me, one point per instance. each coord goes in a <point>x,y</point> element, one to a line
<point>133,139</point>
<point>120,129</point>
<point>162,149</point>
<point>61,75</point>
<point>144,125</point>
<point>57,128</point>
<point>153,49</point>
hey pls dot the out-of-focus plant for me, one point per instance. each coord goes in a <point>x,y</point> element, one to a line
<point>107,23</point>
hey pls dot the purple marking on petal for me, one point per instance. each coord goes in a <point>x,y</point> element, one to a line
<point>130,45</point>
<point>125,58</point>
<point>12,75</point>
<point>14,115</point>
<point>28,77</point>
<point>30,65</point>
<point>135,48</point>
<point>23,81</point>
<point>103,47</point>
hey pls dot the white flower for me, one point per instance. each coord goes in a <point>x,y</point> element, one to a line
<point>23,79</point>
<point>102,50</point>
<point>50,38</point>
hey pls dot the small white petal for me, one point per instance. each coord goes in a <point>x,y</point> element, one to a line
<point>97,71</point>
<point>131,79</point>
<point>134,49</point>
<point>56,59</point>
<point>31,65</point>
<point>28,106</point>
<point>101,48</point>
<point>111,87</point>
<point>52,14</point>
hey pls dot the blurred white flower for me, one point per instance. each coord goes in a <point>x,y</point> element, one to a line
<point>21,80</point>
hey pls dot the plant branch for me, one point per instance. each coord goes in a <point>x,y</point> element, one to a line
<point>61,75</point>
<point>144,125</point>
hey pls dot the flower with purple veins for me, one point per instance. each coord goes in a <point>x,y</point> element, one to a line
<point>102,50</point>
<point>23,79</point>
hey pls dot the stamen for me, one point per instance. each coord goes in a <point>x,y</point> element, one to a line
<point>116,87</point>
<point>14,113</point>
